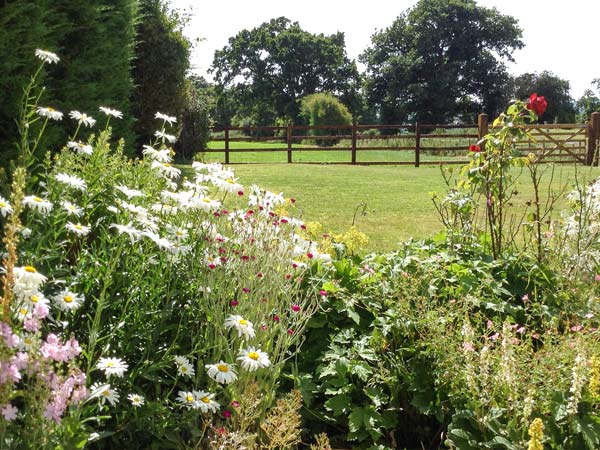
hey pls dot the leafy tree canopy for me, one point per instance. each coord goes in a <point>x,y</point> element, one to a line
<point>440,61</point>
<point>274,65</point>
<point>589,102</point>
<point>561,106</point>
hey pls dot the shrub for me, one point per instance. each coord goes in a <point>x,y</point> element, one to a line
<point>324,109</point>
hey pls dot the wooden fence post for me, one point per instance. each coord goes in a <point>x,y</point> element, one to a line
<point>289,144</point>
<point>354,142</point>
<point>417,144</point>
<point>593,136</point>
<point>482,128</point>
<point>226,145</point>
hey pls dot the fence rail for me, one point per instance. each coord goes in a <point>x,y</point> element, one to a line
<point>443,144</point>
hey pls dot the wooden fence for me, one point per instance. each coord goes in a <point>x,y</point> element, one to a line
<point>448,144</point>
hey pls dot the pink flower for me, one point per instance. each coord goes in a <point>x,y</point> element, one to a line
<point>245,290</point>
<point>597,277</point>
<point>576,328</point>
<point>489,324</point>
<point>589,315</point>
<point>9,412</point>
<point>240,193</point>
<point>468,347</point>
<point>290,331</point>
<point>234,303</point>
<point>235,404</point>
<point>9,372</point>
<point>276,318</point>
<point>521,330</point>
<point>323,292</point>
<point>11,339</point>
<point>525,297</point>
<point>309,255</point>
<point>20,360</point>
<point>226,414</point>
<point>31,324</point>
<point>296,308</point>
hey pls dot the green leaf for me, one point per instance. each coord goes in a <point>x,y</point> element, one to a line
<point>361,370</point>
<point>339,404</point>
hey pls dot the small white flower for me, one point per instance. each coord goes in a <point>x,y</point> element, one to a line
<point>170,119</point>
<point>28,278</point>
<point>186,398</point>
<point>129,193</point>
<point>68,301</point>
<point>163,155</point>
<point>165,137</point>
<point>184,367</point>
<point>133,233</point>
<point>136,400</point>
<point>37,204</point>
<point>222,372</point>
<point>105,393</point>
<point>46,56</point>
<point>78,229</point>
<point>80,147</point>
<point>49,113</point>
<point>72,181</point>
<point>244,327</point>
<point>82,118</point>
<point>25,232</point>
<point>71,209</point>
<point>111,112</point>
<point>112,366</point>
<point>5,208</point>
<point>166,169</point>
<point>204,402</point>
<point>253,359</point>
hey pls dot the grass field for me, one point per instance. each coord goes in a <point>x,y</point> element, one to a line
<point>397,198</point>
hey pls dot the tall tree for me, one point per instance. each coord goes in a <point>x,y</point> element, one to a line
<point>440,61</point>
<point>589,102</point>
<point>274,65</point>
<point>561,106</point>
<point>161,63</point>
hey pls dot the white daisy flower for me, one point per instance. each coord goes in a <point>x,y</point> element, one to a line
<point>253,359</point>
<point>82,118</point>
<point>166,169</point>
<point>170,119</point>
<point>186,398</point>
<point>133,233</point>
<point>206,204</point>
<point>105,393</point>
<point>228,184</point>
<point>221,372</point>
<point>70,180</point>
<point>204,402</point>
<point>5,208</point>
<point>163,155</point>
<point>28,278</point>
<point>78,229</point>
<point>71,208</point>
<point>165,137</point>
<point>178,233</point>
<point>112,366</point>
<point>36,298</point>
<point>130,193</point>
<point>184,367</point>
<point>25,232</point>
<point>80,147</point>
<point>136,400</point>
<point>49,113</point>
<point>37,204</point>
<point>244,327</point>
<point>46,56</point>
<point>68,301</point>
<point>111,112</point>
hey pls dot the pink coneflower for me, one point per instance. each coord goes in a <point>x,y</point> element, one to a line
<point>296,308</point>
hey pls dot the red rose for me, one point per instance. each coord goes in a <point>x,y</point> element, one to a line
<point>474,148</point>
<point>537,104</point>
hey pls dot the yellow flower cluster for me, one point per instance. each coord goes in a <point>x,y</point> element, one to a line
<point>594,385</point>
<point>536,434</point>
<point>353,239</point>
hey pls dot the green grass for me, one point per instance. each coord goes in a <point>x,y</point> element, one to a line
<point>398,203</point>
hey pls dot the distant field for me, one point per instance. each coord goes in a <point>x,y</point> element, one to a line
<point>398,204</point>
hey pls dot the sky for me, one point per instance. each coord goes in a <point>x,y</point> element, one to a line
<point>562,36</point>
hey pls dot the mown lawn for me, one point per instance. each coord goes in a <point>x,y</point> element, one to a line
<point>397,199</point>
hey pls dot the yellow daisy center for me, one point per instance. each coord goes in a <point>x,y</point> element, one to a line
<point>50,109</point>
<point>183,369</point>
<point>206,200</point>
<point>3,204</point>
<point>230,180</point>
<point>37,200</point>
<point>253,355</point>
<point>106,392</point>
<point>205,400</point>
<point>23,311</point>
<point>222,368</point>
<point>243,322</point>
<point>29,269</point>
<point>189,398</point>
<point>167,165</point>
<point>78,227</point>
<point>34,299</point>
<point>68,298</point>
<point>110,364</point>
<point>28,341</point>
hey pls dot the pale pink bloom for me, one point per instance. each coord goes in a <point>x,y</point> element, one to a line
<point>20,360</point>
<point>31,324</point>
<point>11,339</point>
<point>9,372</point>
<point>9,412</point>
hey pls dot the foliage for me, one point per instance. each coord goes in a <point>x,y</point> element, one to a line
<point>195,124</point>
<point>96,41</point>
<point>561,106</point>
<point>160,67</point>
<point>177,304</point>
<point>463,44</point>
<point>273,66</point>
<point>324,109</point>
<point>589,102</point>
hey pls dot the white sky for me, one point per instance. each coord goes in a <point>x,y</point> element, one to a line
<point>560,36</point>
